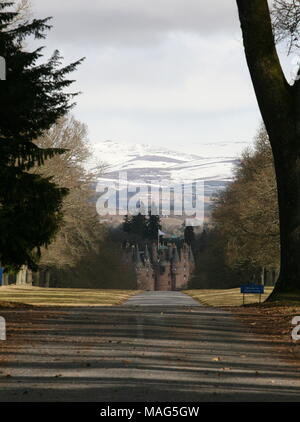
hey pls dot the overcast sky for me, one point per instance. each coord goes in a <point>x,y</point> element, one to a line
<point>164,72</point>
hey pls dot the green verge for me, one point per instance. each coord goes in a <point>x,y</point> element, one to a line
<point>226,297</point>
<point>39,296</point>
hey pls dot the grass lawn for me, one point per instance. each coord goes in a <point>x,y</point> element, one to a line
<point>63,297</point>
<point>227,297</point>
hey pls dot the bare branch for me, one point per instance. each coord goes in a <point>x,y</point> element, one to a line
<point>23,8</point>
<point>81,231</point>
<point>286,22</point>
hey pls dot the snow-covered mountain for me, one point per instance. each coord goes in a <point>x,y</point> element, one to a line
<point>145,161</point>
<point>162,166</point>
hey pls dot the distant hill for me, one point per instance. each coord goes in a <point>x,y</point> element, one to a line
<point>160,165</point>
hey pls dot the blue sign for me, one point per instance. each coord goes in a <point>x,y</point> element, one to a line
<point>1,276</point>
<point>252,289</point>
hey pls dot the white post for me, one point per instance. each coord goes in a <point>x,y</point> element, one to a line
<point>2,329</point>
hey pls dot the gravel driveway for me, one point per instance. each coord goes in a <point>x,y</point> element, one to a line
<point>156,347</point>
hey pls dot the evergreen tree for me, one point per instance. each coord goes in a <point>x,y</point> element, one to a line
<point>126,226</point>
<point>139,225</point>
<point>135,225</point>
<point>189,235</point>
<point>29,218</point>
<point>32,99</point>
<point>153,226</point>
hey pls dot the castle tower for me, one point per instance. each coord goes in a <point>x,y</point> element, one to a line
<point>164,273</point>
<point>150,282</point>
<point>186,266</point>
<point>165,269</point>
<point>191,261</point>
<point>175,268</point>
<point>137,257</point>
<point>147,254</point>
<point>170,252</point>
<point>144,270</point>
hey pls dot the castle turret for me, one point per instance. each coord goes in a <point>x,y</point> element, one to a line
<point>170,252</point>
<point>144,271</point>
<point>175,268</point>
<point>191,261</point>
<point>175,257</point>
<point>166,268</point>
<point>137,257</point>
<point>147,254</point>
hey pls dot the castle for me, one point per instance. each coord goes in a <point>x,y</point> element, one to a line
<point>161,268</point>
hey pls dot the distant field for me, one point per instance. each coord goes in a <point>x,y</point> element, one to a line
<point>63,297</point>
<point>228,297</point>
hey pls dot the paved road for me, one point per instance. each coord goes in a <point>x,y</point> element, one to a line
<point>139,352</point>
<point>162,299</point>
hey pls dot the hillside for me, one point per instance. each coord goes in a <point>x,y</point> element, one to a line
<point>143,164</point>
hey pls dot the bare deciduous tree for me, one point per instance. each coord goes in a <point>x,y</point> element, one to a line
<point>81,230</point>
<point>286,22</point>
<point>279,103</point>
<point>247,212</point>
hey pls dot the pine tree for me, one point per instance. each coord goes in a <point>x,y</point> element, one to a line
<point>139,225</point>
<point>32,99</point>
<point>126,226</point>
<point>189,235</point>
<point>153,226</point>
<point>30,216</point>
<point>135,225</point>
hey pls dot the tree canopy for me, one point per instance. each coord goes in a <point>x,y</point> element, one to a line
<point>33,97</point>
<point>246,213</point>
<point>279,103</point>
<point>142,227</point>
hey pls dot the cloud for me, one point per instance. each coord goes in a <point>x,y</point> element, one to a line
<point>186,73</point>
<point>162,72</point>
<point>135,22</point>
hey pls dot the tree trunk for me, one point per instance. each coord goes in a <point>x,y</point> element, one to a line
<point>279,104</point>
<point>288,182</point>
